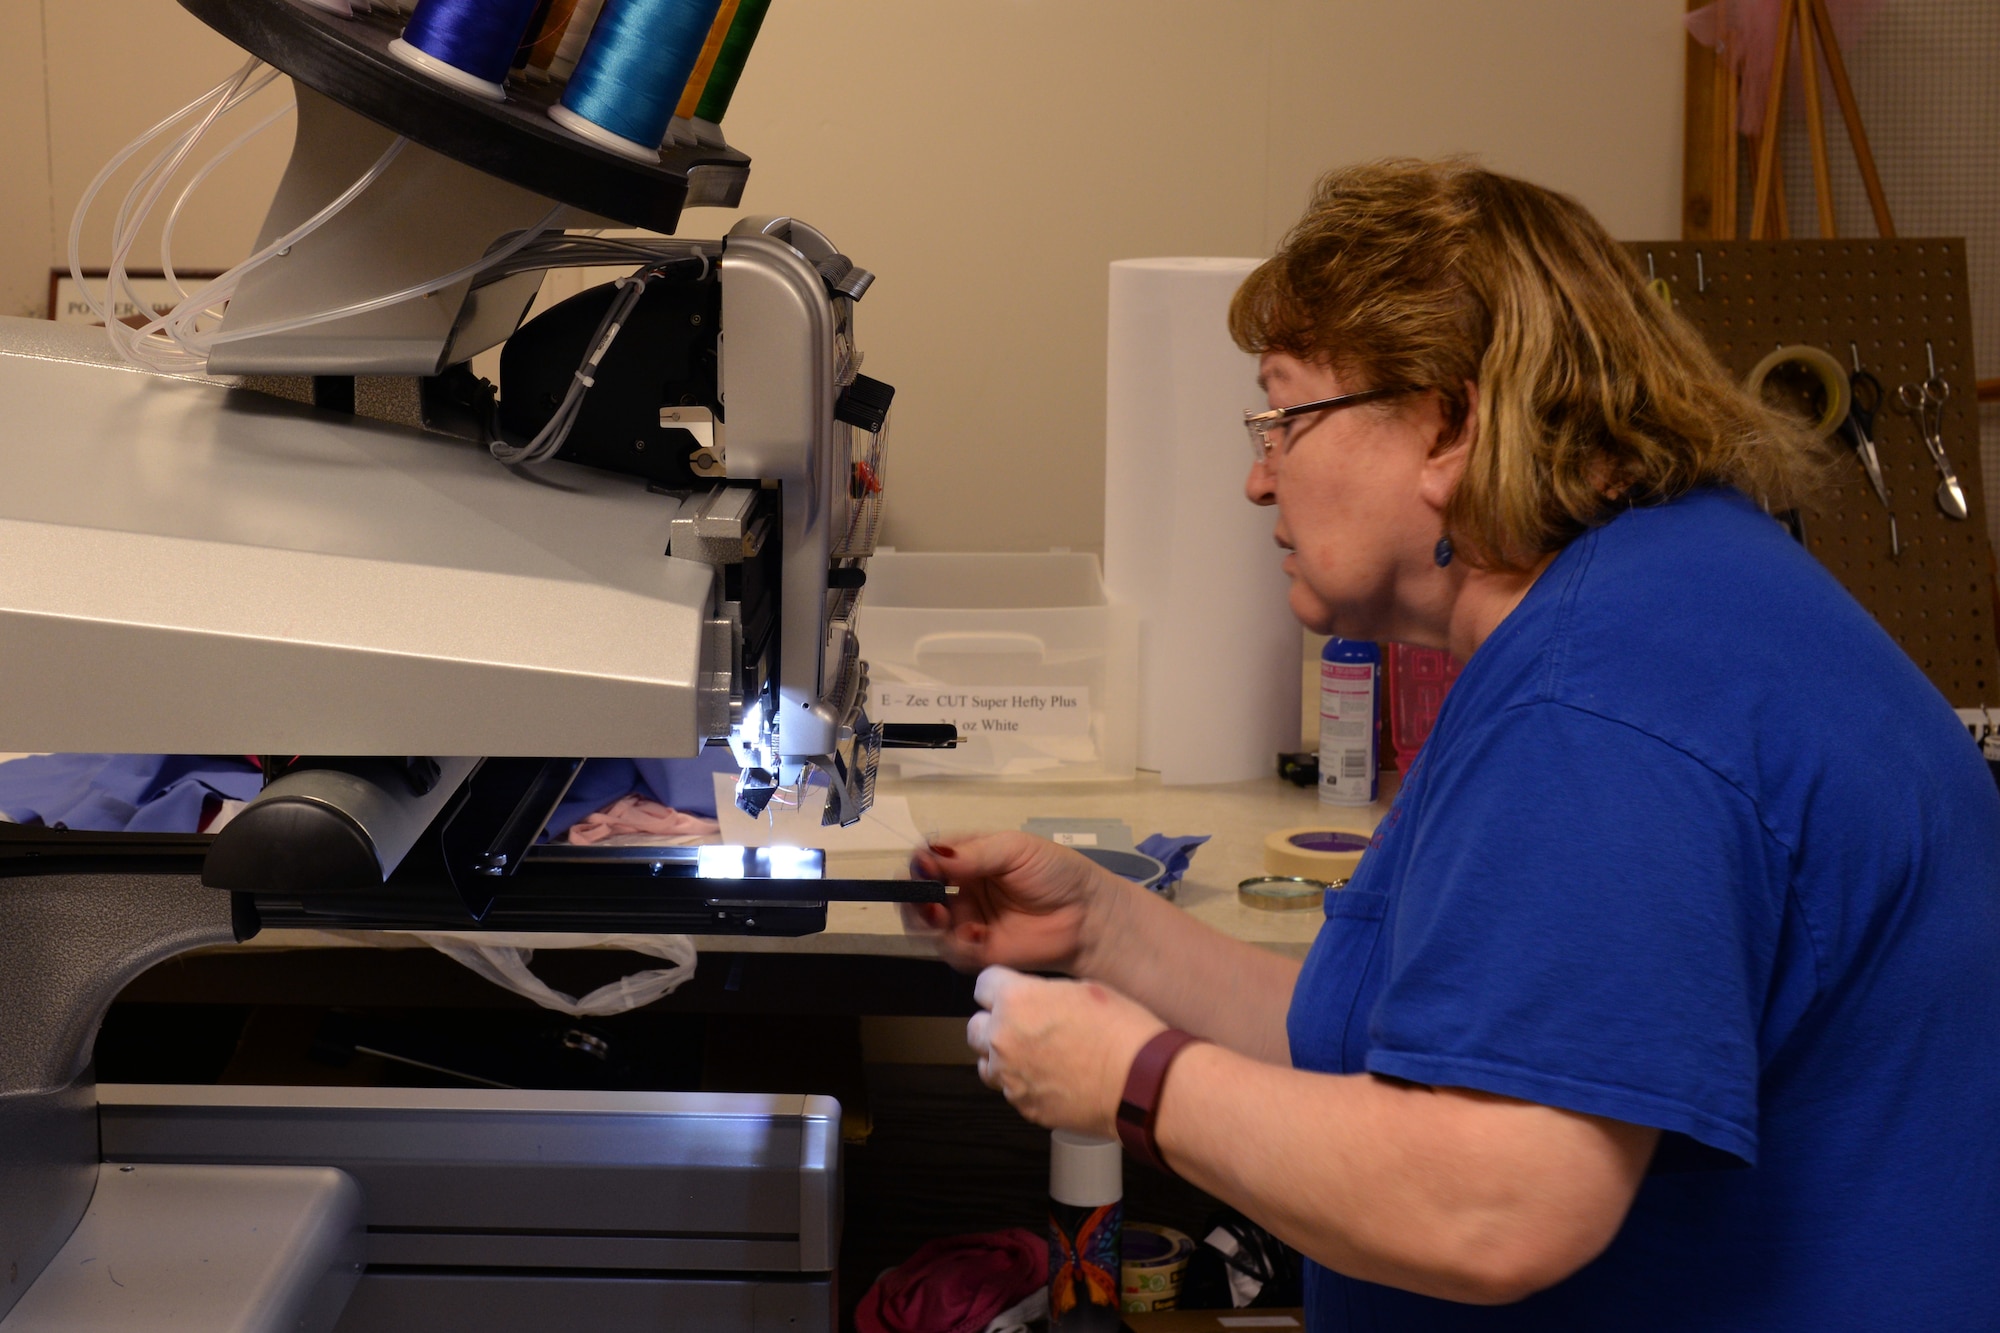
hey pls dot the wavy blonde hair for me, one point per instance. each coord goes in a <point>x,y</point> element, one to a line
<point>1593,394</point>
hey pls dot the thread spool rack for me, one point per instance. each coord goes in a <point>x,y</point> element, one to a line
<point>348,60</point>
<point>1901,304</point>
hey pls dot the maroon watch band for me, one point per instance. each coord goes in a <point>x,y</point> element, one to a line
<point>1139,1107</point>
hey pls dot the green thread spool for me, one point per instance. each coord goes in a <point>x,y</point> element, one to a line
<point>729,62</point>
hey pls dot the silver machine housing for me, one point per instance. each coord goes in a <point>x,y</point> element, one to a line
<point>193,564</point>
<point>189,568</point>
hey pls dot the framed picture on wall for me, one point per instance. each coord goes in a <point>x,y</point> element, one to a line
<point>68,306</point>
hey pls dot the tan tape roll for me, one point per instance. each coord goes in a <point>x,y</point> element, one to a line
<point>1314,853</point>
<point>1820,365</point>
<point>1151,1280</point>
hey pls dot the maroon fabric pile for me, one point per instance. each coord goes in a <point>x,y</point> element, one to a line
<point>956,1285</point>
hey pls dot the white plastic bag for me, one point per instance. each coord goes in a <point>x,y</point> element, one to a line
<point>503,960</point>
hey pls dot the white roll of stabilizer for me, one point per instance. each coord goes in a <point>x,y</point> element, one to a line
<point>1219,651</point>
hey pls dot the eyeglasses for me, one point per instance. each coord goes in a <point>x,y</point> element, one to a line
<point>1268,430</point>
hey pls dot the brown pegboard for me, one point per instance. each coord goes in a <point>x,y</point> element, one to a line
<point>1885,300</point>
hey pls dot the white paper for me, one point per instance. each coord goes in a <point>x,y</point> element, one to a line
<point>1243,1288</point>
<point>1219,651</point>
<point>887,827</point>
<point>986,710</point>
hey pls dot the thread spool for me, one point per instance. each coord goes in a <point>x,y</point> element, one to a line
<point>549,40</point>
<point>729,63</point>
<point>467,44</point>
<point>1314,853</point>
<point>678,130</point>
<point>633,72</point>
<point>1155,1262</point>
<point>582,22</point>
<point>529,34</point>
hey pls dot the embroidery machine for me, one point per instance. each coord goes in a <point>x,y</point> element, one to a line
<point>425,644</point>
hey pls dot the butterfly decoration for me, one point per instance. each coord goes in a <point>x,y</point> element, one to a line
<point>1081,1268</point>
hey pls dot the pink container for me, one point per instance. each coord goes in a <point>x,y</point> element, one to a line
<point>1418,680</point>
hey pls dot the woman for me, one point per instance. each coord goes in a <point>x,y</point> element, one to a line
<point>1668,993</point>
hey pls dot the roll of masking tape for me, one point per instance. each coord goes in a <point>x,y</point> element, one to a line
<point>1156,1260</point>
<point>1314,853</point>
<point>1815,365</point>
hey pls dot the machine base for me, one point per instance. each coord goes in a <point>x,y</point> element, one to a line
<point>191,1249</point>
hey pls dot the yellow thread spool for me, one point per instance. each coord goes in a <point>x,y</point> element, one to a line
<point>704,64</point>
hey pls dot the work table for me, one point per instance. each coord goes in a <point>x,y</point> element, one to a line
<point>1237,816</point>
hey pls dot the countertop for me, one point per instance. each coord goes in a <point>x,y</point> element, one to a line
<point>1237,816</point>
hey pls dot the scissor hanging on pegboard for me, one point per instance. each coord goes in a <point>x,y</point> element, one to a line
<point>1896,311</point>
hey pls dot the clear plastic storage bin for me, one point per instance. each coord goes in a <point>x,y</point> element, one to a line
<point>1022,652</point>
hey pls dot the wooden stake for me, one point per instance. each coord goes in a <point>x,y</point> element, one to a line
<point>1767,138</point>
<point>1781,209</point>
<point>1815,122</point>
<point>1731,91</point>
<point>1850,112</point>
<point>1702,213</point>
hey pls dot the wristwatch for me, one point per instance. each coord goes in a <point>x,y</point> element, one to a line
<point>1139,1107</point>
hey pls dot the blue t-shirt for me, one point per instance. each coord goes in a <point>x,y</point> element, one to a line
<point>1694,845</point>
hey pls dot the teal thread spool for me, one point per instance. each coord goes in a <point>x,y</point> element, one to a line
<point>633,72</point>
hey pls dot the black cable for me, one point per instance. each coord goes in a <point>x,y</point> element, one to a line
<point>548,441</point>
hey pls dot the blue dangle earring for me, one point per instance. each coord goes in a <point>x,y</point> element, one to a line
<point>1442,552</point>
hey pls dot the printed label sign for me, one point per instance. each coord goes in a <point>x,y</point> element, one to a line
<point>67,306</point>
<point>986,710</point>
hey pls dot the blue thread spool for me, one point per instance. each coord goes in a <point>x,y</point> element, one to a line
<point>631,75</point>
<point>468,44</point>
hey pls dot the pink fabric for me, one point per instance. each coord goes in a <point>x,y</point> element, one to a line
<point>1746,34</point>
<point>956,1285</point>
<point>638,814</point>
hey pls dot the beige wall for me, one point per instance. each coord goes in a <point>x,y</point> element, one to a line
<point>988,160</point>
<point>25,240</point>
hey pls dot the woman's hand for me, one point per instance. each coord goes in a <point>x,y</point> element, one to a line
<point>1058,1050</point>
<point>1022,902</point>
